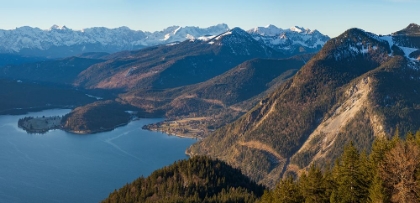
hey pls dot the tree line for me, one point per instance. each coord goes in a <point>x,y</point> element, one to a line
<point>389,173</point>
<point>198,179</point>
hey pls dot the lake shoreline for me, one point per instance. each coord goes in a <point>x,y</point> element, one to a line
<point>188,127</point>
<point>169,133</point>
<point>41,125</point>
<point>23,111</point>
<point>54,166</point>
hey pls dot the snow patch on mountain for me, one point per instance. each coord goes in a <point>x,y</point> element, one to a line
<point>359,49</point>
<point>224,34</point>
<point>352,47</point>
<point>407,50</point>
<point>206,38</point>
<point>296,29</point>
<point>388,39</point>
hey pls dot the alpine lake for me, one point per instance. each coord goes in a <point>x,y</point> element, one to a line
<point>62,167</point>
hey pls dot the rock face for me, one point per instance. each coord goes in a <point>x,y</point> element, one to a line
<point>360,85</point>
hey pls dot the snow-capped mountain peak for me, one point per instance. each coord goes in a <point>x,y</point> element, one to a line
<point>291,41</point>
<point>269,30</point>
<point>57,27</point>
<point>270,26</point>
<point>240,43</point>
<point>34,41</point>
<point>239,31</point>
<point>297,29</point>
<point>235,35</point>
<point>61,41</point>
<point>303,30</point>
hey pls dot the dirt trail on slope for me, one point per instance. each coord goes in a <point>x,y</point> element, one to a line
<point>263,147</point>
<point>272,108</point>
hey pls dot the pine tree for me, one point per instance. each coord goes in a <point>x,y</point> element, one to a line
<point>329,181</point>
<point>377,191</point>
<point>349,174</point>
<point>313,186</point>
<point>397,132</point>
<point>267,197</point>
<point>380,147</point>
<point>286,191</point>
<point>417,138</point>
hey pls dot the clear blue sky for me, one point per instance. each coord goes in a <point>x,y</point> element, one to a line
<point>331,17</point>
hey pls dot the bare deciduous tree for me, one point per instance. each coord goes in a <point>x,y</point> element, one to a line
<point>398,171</point>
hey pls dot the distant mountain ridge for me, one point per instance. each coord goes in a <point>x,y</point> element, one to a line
<point>156,78</point>
<point>26,40</point>
<point>292,41</point>
<point>169,66</point>
<point>61,41</point>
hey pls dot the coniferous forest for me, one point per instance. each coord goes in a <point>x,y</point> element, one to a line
<point>199,179</point>
<point>390,172</point>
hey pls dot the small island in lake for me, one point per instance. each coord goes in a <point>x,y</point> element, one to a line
<point>92,118</point>
<point>40,124</point>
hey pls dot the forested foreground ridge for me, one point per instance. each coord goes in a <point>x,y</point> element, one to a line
<point>389,173</point>
<point>199,179</point>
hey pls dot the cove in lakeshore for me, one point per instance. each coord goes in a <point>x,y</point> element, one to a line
<point>64,167</point>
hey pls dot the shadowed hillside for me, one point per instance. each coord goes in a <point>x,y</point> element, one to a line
<point>199,179</point>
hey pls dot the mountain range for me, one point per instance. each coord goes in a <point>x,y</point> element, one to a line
<point>157,67</point>
<point>357,87</point>
<point>61,41</point>
<point>147,77</point>
<point>294,40</point>
<point>283,99</point>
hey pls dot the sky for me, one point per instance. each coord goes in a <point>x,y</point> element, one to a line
<point>331,17</point>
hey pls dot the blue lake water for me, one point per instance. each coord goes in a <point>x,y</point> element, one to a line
<point>64,167</point>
